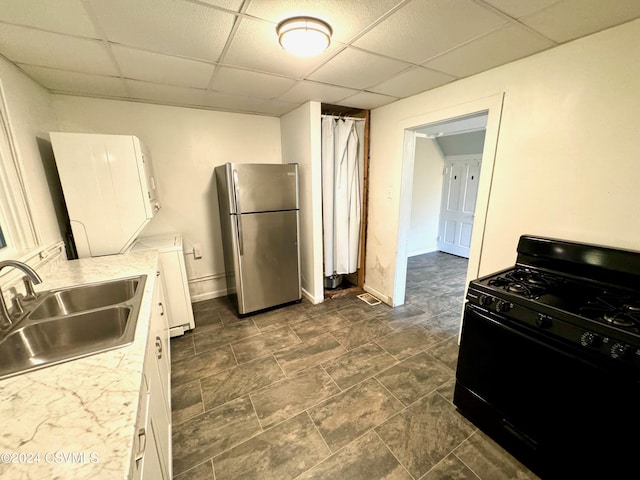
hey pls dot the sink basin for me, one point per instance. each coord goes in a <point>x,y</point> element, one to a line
<point>63,339</point>
<point>71,323</point>
<point>85,297</point>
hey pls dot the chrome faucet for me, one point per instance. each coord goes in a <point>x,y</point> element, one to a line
<point>32,277</point>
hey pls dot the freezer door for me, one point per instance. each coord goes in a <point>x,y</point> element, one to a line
<point>264,187</point>
<point>269,270</point>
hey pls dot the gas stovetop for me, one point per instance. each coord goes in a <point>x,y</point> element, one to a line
<point>607,304</point>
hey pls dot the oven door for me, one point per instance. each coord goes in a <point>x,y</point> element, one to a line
<point>548,403</point>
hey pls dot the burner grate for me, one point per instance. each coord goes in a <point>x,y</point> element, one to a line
<point>524,282</point>
<point>620,311</point>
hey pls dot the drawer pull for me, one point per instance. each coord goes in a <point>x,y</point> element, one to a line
<point>142,441</point>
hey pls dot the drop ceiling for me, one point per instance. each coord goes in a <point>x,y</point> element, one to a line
<point>224,54</point>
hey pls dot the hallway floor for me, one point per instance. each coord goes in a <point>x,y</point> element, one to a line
<point>340,390</point>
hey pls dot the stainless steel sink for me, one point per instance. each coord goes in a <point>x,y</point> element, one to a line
<point>66,324</point>
<point>85,297</point>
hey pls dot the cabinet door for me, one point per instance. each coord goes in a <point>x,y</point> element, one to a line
<point>161,339</point>
<point>158,357</point>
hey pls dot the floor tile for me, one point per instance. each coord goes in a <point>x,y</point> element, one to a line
<point>407,342</point>
<point>224,334</point>
<point>308,354</point>
<point>489,460</point>
<point>282,452</point>
<point>213,432</point>
<point>324,323</point>
<point>415,377</point>
<point>444,324</point>
<point>446,352</point>
<point>358,364</point>
<point>366,458</point>
<point>182,346</point>
<point>361,332</point>
<point>346,416</point>
<point>204,471</point>
<point>447,389</point>
<point>355,312</point>
<point>451,468</point>
<point>206,320</point>
<point>330,305</point>
<point>263,344</point>
<point>281,317</point>
<point>426,432</point>
<point>188,369</point>
<point>239,381</point>
<point>289,397</point>
<point>398,315</point>
<point>186,401</point>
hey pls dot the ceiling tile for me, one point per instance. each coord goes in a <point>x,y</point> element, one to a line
<point>167,94</point>
<point>228,4</point>
<point>424,28</point>
<point>496,48</point>
<point>157,68</point>
<point>366,100</point>
<point>168,26</point>
<point>304,91</point>
<point>252,84</point>
<point>36,47</point>
<point>413,81</point>
<point>73,82</point>
<point>571,19</point>
<point>518,8</point>
<point>346,18</point>
<point>255,45</point>
<point>70,16</point>
<point>223,101</point>
<point>357,69</point>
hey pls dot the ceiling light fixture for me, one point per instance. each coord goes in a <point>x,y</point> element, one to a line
<point>304,36</point>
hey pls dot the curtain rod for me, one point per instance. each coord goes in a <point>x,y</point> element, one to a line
<point>340,116</point>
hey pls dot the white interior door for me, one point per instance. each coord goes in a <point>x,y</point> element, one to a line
<point>458,206</point>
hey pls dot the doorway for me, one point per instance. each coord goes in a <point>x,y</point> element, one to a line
<point>345,166</point>
<point>490,110</point>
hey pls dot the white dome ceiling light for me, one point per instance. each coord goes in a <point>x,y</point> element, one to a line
<point>304,36</point>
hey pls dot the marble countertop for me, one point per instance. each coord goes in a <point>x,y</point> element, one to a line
<point>77,420</point>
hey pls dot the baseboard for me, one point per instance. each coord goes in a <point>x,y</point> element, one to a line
<point>311,298</point>
<point>207,287</point>
<point>386,299</point>
<point>415,253</point>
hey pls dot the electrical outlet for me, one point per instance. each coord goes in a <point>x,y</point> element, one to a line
<point>197,251</point>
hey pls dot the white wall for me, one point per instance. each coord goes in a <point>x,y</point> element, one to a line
<point>426,198</point>
<point>301,144</point>
<point>185,144</point>
<point>566,163</point>
<point>31,117</point>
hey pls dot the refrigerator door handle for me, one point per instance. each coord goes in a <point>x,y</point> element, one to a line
<point>236,200</point>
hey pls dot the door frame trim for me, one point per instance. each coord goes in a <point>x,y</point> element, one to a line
<point>493,106</point>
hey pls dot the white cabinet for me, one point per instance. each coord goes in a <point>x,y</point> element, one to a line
<point>152,444</point>
<point>176,286</point>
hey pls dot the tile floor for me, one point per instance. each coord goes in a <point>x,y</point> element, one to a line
<point>340,390</point>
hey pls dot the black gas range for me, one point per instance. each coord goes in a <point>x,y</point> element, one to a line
<point>549,361</point>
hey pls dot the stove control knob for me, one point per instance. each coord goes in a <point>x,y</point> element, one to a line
<point>590,339</point>
<point>502,306</point>
<point>486,300</point>
<point>620,350</point>
<point>543,321</point>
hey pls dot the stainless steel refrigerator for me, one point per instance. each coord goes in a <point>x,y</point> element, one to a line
<point>259,219</point>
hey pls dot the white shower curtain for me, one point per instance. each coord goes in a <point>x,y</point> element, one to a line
<point>342,178</point>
